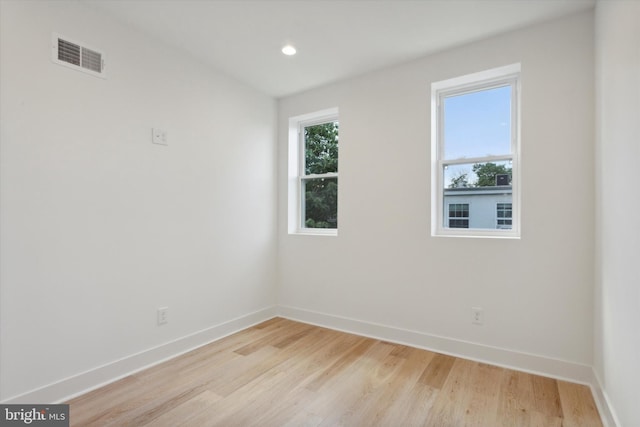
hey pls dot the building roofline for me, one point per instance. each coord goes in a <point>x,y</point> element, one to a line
<point>493,189</point>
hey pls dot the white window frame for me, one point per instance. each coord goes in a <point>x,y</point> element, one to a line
<point>484,80</point>
<point>296,171</point>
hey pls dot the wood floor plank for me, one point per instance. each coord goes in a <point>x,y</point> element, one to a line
<point>385,405</point>
<point>275,332</point>
<point>246,370</point>
<point>154,398</point>
<point>528,400</point>
<point>342,391</point>
<point>343,361</point>
<point>184,413</point>
<point>268,323</point>
<point>230,410</point>
<point>578,407</point>
<point>286,373</point>
<point>469,395</point>
<point>277,373</point>
<point>105,403</point>
<point>159,396</point>
<point>265,408</point>
<point>482,403</point>
<point>303,418</point>
<point>436,373</point>
<point>546,396</point>
<point>369,408</point>
<point>406,401</point>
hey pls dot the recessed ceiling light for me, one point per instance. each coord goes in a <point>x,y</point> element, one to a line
<point>289,50</point>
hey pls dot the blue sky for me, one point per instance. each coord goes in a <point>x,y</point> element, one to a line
<point>476,124</point>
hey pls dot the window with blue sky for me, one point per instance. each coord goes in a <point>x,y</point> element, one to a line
<point>475,144</point>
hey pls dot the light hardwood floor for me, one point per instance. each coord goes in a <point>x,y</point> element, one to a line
<point>285,373</point>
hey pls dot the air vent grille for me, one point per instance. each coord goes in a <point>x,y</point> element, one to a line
<point>91,60</point>
<point>68,52</point>
<point>76,55</point>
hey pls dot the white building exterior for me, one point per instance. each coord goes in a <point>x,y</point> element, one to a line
<point>478,207</point>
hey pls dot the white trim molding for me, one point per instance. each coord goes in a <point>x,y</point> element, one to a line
<point>511,359</point>
<point>296,174</point>
<point>100,376</point>
<point>506,76</point>
<point>605,408</point>
<point>73,386</point>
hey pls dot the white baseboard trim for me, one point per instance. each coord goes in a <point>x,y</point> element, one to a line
<point>525,362</point>
<point>531,363</point>
<point>511,359</point>
<point>607,413</point>
<point>67,388</point>
<point>84,382</point>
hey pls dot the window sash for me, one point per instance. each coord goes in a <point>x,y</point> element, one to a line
<point>303,213</point>
<point>303,176</point>
<point>491,79</point>
<point>302,141</point>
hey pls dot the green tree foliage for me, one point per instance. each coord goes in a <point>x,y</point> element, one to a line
<point>460,181</point>
<point>485,173</point>
<point>321,148</point>
<point>321,194</point>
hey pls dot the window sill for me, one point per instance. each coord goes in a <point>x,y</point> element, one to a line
<point>475,234</point>
<point>315,232</point>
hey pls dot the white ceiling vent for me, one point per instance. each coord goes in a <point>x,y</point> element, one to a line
<point>78,56</point>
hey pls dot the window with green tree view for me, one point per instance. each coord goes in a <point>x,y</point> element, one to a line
<point>319,175</point>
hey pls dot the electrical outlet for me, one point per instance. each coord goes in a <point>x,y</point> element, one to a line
<point>477,315</point>
<point>159,136</point>
<point>163,315</point>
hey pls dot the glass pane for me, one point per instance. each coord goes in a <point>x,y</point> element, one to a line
<point>458,215</point>
<point>477,195</point>
<point>478,124</point>
<point>504,215</point>
<point>458,223</point>
<point>471,175</point>
<point>320,203</point>
<point>321,148</point>
<point>458,210</point>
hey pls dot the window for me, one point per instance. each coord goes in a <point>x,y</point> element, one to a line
<point>458,215</point>
<point>313,173</point>
<point>503,216</point>
<point>475,147</point>
<point>319,177</point>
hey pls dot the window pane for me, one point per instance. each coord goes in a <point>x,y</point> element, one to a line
<point>477,124</point>
<point>504,215</point>
<point>320,203</point>
<point>471,175</point>
<point>458,223</point>
<point>479,192</point>
<point>321,148</point>
<point>458,215</point>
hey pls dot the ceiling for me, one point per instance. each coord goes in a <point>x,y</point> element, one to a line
<point>335,39</point>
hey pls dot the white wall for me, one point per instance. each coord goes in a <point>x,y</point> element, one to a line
<point>385,270</point>
<point>617,300</point>
<point>99,226</point>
